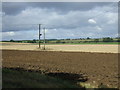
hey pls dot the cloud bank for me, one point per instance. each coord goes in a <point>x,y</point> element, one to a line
<point>98,21</point>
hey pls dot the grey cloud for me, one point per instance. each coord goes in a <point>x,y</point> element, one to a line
<point>13,8</point>
<point>72,24</point>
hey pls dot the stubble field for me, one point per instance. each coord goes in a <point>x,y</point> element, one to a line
<point>103,48</point>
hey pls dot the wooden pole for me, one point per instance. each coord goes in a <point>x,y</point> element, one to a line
<point>39,34</point>
<point>44,38</point>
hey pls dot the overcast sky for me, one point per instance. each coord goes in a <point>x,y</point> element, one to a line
<point>61,20</point>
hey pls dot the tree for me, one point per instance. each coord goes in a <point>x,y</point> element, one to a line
<point>11,40</point>
<point>34,41</point>
<point>107,39</point>
<point>88,38</point>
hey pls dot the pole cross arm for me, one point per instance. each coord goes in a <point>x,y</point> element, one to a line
<point>40,34</point>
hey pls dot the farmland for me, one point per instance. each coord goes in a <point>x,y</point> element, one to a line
<point>57,44</point>
<point>104,48</point>
<point>98,64</point>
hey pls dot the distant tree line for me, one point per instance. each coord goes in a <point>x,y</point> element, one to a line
<point>108,39</point>
<point>80,40</point>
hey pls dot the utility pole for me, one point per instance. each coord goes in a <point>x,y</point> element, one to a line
<point>39,34</point>
<point>44,38</point>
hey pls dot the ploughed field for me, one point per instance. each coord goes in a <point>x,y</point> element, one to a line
<point>97,67</point>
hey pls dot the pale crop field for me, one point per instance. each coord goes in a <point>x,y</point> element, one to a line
<point>102,48</point>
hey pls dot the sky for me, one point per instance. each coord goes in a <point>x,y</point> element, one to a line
<point>61,19</point>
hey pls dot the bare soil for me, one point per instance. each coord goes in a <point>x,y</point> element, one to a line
<point>97,67</point>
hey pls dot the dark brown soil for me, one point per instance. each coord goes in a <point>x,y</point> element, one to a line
<point>97,67</point>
